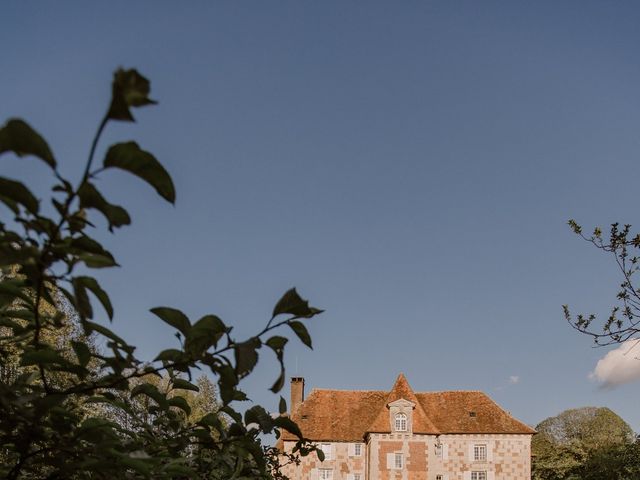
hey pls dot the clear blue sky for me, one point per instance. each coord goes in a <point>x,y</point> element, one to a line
<point>409,166</point>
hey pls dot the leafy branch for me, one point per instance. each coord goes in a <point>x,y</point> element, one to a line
<point>72,410</point>
<point>623,322</point>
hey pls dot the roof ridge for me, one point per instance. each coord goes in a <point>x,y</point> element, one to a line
<point>321,389</point>
<point>454,391</point>
<point>345,390</point>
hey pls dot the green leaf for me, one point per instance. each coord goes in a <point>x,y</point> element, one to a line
<point>259,415</point>
<point>91,327</point>
<point>289,425</point>
<point>16,253</point>
<point>88,245</point>
<point>228,380</point>
<point>183,384</point>
<point>170,355</point>
<point>130,157</point>
<point>282,406</point>
<point>212,324</point>
<point>14,289</point>
<point>18,137</point>
<point>210,420</point>
<point>92,260</point>
<point>150,391</point>
<point>277,343</point>
<point>181,403</point>
<point>246,356</point>
<point>173,317</point>
<point>141,466</point>
<point>42,356</point>
<point>82,302</point>
<point>302,333</point>
<point>13,206</point>
<point>291,303</point>
<point>18,193</point>
<point>279,383</point>
<point>205,333</point>
<point>82,351</point>
<point>100,294</point>
<point>90,197</point>
<point>129,89</point>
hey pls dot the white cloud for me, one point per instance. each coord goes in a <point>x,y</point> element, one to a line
<point>513,379</point>
<point>619,366</point>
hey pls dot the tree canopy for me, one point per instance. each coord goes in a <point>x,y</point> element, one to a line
<point>581,444</point>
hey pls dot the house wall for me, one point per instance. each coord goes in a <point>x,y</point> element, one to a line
<point>343,462</point>
<point>508,458</point>
<point>414,450</point>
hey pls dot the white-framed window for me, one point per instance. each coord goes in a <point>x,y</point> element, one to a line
<point>478,475</point>
<point>325,474</point>
<point>439,477</point>
<point>357,449</point>
<point>480,453</point>
<point>398,461</point>
<point>357,476</point>
<point>401,422</point>
<point>327,450</point>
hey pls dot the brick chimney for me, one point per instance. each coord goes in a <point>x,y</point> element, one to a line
<point>297,392</point>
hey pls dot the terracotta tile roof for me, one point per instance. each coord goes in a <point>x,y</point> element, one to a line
<point>348,415</point>
<point>469,412</point>
<point>402,390</point>
<point>338,415</point>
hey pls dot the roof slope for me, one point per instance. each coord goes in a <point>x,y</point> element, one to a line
<point>338,415</point>
<point>402,390</point>
<point>451,413</point>
<point>348,415</point>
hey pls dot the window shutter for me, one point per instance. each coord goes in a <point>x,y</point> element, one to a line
<point>490,446</point>
<point>314,474</point>
<point>445,476</point>
<point>466,475</point>
<point>491,475</point>
<point>390,461</point>
<point>350,476</point>
<point>445,452</point>
<point>471,452</point>
<point>352,450</point>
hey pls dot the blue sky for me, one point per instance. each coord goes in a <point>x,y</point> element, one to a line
<point>409,166</point>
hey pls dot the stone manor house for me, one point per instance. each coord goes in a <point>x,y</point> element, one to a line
<point>406,435</point>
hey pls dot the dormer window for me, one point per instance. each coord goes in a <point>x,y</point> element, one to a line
<point>401,422</point>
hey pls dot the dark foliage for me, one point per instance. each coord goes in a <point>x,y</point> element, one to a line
<point>71,411</point>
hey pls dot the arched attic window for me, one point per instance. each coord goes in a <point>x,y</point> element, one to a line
<point>401,422</point>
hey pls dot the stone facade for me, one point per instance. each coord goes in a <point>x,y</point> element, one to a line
<point>401,436</point>
<point>424,457</point>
